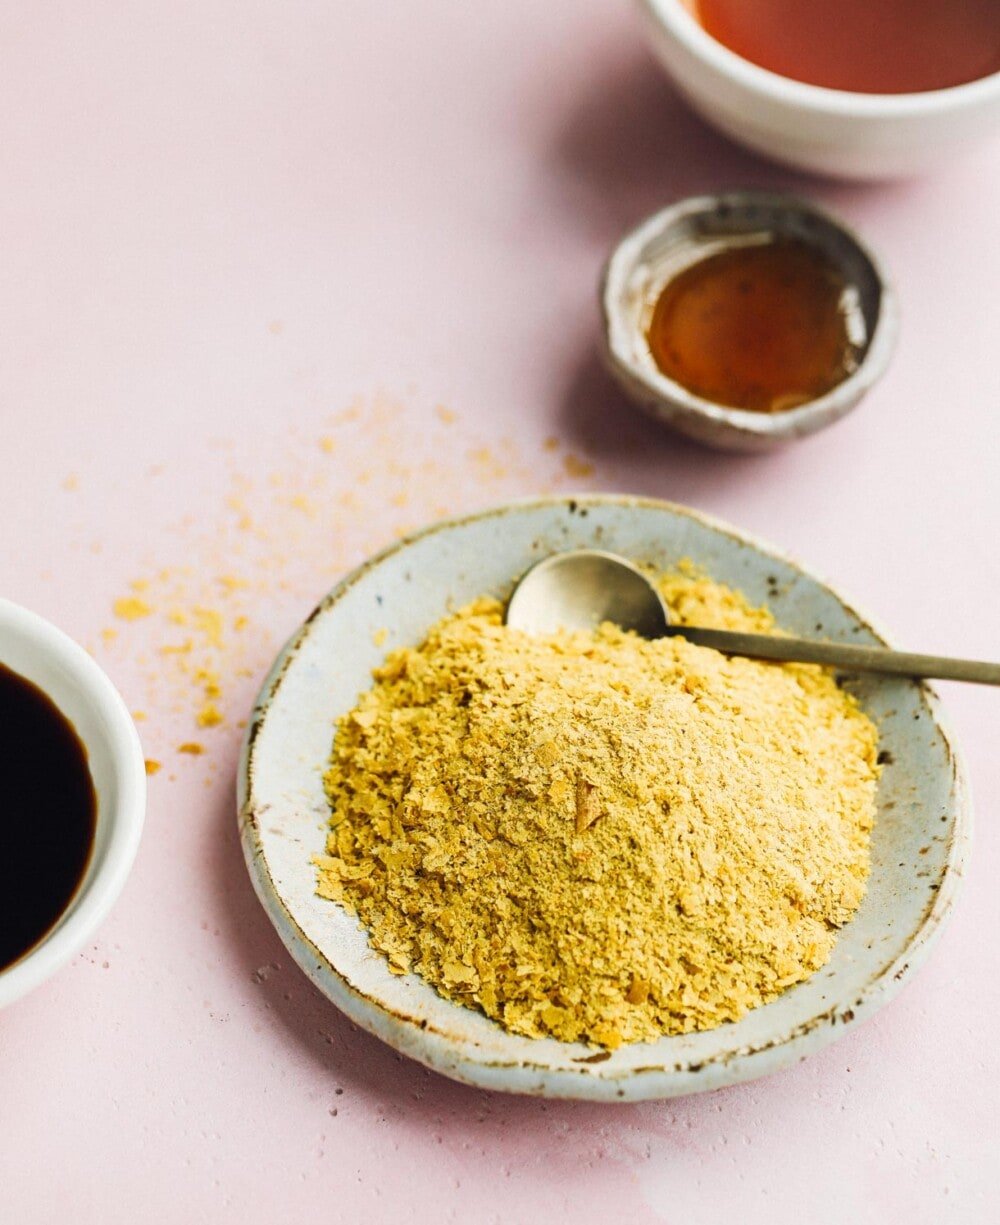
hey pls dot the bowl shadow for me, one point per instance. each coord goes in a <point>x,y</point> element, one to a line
<point>630,145</point>
<point>641,456</point>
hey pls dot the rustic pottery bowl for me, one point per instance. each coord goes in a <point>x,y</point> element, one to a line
<point>49,659</point>
<point>668,242</point>
<point>830,131</point>
<point>918,845</point>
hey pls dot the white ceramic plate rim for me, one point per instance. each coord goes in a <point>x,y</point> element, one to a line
<point>103,881</point>
<point>436,1049</point>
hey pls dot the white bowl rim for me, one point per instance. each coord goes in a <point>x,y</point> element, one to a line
<point>674,399</point>
<point>101,883</point>
<point>433,1048</point>
<point>682,25</point>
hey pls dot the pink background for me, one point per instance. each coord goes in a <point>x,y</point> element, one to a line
<point>231,231</point>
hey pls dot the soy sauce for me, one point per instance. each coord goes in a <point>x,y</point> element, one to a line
<point>765,326</point>
<point>48,815</point>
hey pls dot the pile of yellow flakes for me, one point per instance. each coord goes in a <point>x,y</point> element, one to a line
<point>598,838</point>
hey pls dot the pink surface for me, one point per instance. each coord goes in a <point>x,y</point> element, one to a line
<point>232,231</point>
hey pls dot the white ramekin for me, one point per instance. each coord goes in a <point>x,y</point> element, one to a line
<point>44,655</point>
<point>830,131</point>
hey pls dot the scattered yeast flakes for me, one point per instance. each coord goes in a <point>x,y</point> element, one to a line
<point>209,715</point>
<point>595,837</point>
<point>575,466</point>
<point>177,648</point>
<point>232,573</point>
<point>152,767</point>
<point>211,624</point>
<point>209,681</point>
<point>130,608</point>
<point>192,747</point>
<point>299,501</point>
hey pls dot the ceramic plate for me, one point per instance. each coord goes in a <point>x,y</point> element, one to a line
<point>918,845</point>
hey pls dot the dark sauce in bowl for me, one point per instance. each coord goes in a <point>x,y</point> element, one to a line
<point>48,815</point>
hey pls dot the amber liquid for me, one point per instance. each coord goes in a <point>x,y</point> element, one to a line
<point>764,327</point>
<point>869,46</point>
<point>48,813</point>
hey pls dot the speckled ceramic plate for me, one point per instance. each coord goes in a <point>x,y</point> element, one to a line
<point>918,845</point>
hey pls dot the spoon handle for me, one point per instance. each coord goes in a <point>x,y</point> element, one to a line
<point>838,655</point>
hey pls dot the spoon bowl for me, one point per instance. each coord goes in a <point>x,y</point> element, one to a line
<point>582,588</point>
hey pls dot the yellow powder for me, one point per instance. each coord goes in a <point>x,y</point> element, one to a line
<point>210,622</point>
<point>600,838</point>
<point>300,501</point>
<point>130,608</point>
<point>577,467</point>
<point>209,715</point>
<point>177,648</point>
<point>191,746</point>
<point>152,767</point>
<point>208,678</point>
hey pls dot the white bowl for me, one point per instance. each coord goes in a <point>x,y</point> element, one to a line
<point>917,848</point>
<point>673,239</point>
<point>36,650</point>
<point>835,132</point>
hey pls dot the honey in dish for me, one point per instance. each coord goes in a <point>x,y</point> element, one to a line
<point>867,46</point>
<point>48,813</point>
<point>764,326</point>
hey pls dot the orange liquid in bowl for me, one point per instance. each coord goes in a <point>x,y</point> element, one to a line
<point>866,46</point>
<point>764,327</point>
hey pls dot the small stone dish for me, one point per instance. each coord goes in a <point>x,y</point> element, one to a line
<point>918,843</point>
<point>665,244</point>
